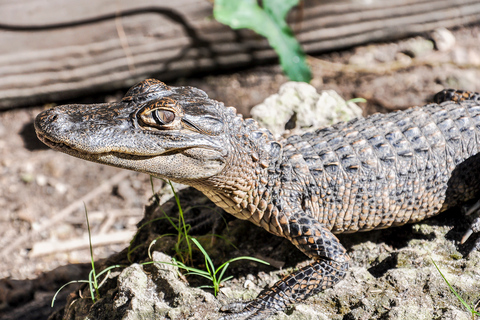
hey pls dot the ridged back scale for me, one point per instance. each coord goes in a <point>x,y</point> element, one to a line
<point>391,169</point>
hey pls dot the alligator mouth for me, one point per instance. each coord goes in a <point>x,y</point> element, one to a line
<point>60,146</point>
<point>65,148</point>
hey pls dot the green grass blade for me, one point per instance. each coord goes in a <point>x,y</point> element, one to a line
<point>182,222</point>
<point>223,268</point>
<point>181,266</point>
<point>453,290</point>
<point>104,279</point>
<point>208,261</point>
<point>91,285</point>
<point>130,249</point>
<point>92,277</point>
<point>205,286</point>
<point>108,269</point>
<point>160,207</point>
<point>66,284</point>
<point>230,243</point>
<point>227,278</point>
<point>248,258</point>
<point>149,250</point>
<point>201,275</point>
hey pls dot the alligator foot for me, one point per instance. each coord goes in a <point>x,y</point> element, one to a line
<point>456,96</point>
<point>311,279</point>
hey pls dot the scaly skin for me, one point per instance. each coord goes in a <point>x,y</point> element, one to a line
<point>372,173</point>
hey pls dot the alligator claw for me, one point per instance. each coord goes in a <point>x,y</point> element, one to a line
<point>234,307</point>
<point>474,228</point>
<point>473,208</point>
<point>238,316</point>
<point>244,311</point>
<point>244,314</point>
<point>475,225</point>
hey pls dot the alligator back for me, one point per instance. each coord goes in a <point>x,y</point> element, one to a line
<point>392,169</point>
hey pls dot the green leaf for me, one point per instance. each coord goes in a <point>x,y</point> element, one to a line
<point>279,9</point>
<point>270,23</point>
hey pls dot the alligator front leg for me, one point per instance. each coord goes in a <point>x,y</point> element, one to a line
<point>330,266</point>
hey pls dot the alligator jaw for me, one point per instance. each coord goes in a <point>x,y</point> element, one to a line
<point>65,148</point>
<point>191,164</point>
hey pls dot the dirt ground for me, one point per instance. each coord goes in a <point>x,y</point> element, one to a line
<point>43,193</point>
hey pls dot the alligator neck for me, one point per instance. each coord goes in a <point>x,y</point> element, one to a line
<point>244,187</point>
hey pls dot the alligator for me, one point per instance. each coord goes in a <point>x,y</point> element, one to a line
<point>369,173</point>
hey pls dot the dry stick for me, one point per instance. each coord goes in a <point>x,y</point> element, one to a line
<point>104,187</point>
<point>107,224</point>
<point>124,43</point>
<point>384,68</point>
<point>54,246</point>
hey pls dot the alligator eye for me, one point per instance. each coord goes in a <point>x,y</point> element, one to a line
<point>163,117</point>
<point>157,118</point>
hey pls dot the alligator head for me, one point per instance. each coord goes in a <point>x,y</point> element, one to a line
<point>176,133</point>
<point>169,132</point>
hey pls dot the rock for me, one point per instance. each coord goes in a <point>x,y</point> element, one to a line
<point>298,107</point>
<point>417,47</point>
<point>144,291</point>
<point>444,40</point>
<point>137,295</point>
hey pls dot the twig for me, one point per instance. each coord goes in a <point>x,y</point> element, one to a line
<point>54,246</point>
<point>384,68</point>
<point>104,187</point>
<point>124,43</point>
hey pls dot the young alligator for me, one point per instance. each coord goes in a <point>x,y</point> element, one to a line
<point>370,173</point>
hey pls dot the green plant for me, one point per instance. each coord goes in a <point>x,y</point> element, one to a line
<point>92,276</point>
<point>183,247</point>
<point>182,228</point>
<point>269,22</point>
<point>132,249</point>
<point>470,309</point>
<point>215,275</point>
<point>183,238</point>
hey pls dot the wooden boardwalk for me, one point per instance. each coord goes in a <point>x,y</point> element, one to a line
<point>127,41</point>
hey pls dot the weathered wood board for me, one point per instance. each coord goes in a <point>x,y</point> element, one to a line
<point>171,39</point>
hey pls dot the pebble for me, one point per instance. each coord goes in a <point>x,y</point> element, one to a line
<point>249,284</point>
<point>444,40</point>
<point>41,180</point>
<point>61,188</point>
<point>26,215</point>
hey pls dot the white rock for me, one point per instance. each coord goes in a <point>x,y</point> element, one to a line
<point>299,102</point>
<point>444,39</point>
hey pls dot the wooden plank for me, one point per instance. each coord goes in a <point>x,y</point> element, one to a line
<point>145,38</point>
